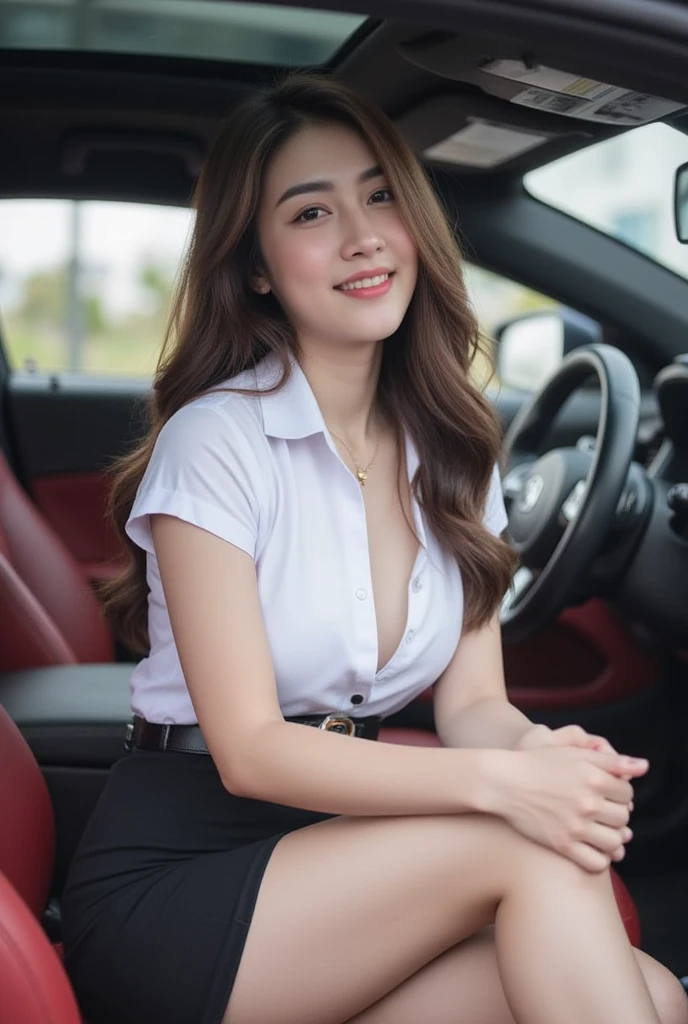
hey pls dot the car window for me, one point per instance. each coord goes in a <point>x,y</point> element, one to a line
<point>85,287</point>
<point>496,300</point>
<point>624,187</point>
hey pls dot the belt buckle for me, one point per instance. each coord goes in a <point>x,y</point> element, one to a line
<point>128,738</point>
<point>338,723</point>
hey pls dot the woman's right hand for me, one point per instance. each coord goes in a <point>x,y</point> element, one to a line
<point>574,800</point>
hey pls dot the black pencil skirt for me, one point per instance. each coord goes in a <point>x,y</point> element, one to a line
<point>160,894</point>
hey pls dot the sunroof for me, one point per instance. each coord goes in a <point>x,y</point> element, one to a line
<point>204,29</point>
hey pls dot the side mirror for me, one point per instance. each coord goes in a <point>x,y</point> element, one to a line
<point>681,203</point>
<point>531,348</point>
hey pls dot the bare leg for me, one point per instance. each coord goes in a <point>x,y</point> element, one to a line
<point>349,909</point>
<point>463,986</point>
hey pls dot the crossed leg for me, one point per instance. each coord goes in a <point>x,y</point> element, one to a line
<point>463,986</point>
<point>366,920</point>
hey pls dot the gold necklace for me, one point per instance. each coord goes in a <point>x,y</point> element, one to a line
<point>361,471</point>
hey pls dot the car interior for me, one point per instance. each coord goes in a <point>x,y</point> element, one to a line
<point>109,102</point>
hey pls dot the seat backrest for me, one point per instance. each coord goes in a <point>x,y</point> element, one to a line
<point>27,836</point>
<point>34,988</point>
<point>53,590</point>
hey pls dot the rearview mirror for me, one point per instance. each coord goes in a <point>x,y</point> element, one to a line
<point>681,203</point>
<point>531,348</point>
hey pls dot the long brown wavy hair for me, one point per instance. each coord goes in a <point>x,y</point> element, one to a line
<point>219,326</point>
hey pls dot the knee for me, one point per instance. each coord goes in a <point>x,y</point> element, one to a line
<point>667,992</point>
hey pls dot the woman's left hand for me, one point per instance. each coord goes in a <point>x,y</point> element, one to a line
<point>566,736</point>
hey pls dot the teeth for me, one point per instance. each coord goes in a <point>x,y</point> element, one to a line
<point>365,282</point>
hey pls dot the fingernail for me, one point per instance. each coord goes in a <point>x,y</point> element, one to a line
<point>636,762</point>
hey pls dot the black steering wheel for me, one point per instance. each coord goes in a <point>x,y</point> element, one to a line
<point>562,504</point>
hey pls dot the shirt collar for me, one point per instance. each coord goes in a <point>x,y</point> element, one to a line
<point>293,412</point>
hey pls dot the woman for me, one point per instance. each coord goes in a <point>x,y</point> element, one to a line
<point>314,526</point>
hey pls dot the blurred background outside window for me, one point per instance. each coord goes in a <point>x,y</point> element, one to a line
<point>86,287</point>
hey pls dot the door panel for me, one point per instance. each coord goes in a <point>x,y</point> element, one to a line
<point>584,659</point>
<point>67,433</point>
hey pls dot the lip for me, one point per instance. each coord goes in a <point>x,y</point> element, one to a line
<point>376,272</point>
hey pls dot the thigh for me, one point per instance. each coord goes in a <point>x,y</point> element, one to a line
<point>463,986</point>
<point>350,908</point>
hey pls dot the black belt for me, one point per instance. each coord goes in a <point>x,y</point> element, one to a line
<point>188,739</point>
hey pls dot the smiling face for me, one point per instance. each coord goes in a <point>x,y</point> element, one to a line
<point>336,252</point>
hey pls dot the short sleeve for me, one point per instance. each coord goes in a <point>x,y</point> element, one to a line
<point>495,518</point>
<point>200,471</point>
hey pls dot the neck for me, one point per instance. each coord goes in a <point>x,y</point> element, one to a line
<point>344,382</point>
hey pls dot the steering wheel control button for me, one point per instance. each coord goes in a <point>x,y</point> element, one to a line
<point>572,505</point>
<point>530,495</point>
<point>361,594</point>
<point>627,503</point>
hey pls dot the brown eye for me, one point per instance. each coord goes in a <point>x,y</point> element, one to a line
<point>311,214</point>
<point>382,195</point>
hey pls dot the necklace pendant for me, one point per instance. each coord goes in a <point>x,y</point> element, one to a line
<point>362,475</point>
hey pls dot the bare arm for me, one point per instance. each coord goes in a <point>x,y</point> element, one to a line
<point>470,699</point>
<point>212,596</point>
<point>556,796</point>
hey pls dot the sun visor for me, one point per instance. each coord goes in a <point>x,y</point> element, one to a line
<point>536,87</point>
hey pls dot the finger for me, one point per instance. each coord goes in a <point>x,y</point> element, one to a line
<point>613,814</point>
<point>616,790</point>
<point>619,854</point>
<point>601,744</point>
<point>576,736</point>
<point>588,858</point>
<point>621,765</point>
<point>570,732</point>
<point>601,837</point>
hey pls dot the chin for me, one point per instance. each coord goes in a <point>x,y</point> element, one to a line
<point>376,328</point>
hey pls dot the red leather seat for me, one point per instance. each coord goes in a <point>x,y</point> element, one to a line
<point>48,612</point>
<point>33,985</point>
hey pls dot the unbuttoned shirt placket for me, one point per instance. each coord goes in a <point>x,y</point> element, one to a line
<point>360,584</point>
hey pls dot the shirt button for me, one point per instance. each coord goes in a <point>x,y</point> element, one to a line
<point>417,584</point>
<point>357,698</point>
<point>409,636</point>
<point>361,594</point>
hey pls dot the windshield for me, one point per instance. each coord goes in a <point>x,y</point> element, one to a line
<point>623,187</point>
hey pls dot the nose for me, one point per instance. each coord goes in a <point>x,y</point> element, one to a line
<point>360,237</point>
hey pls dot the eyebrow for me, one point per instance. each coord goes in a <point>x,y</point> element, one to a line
<point>326,186</point>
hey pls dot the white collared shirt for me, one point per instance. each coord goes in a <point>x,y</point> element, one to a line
<point>264,474</point>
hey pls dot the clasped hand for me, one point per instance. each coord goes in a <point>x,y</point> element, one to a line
<point>571,791</point>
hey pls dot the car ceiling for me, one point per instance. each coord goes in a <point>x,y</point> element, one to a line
<point>130,126</point>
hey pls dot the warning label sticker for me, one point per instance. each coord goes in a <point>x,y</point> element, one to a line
<point>561,93</point>
<point>617,106</point>
<point>546,78</point>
